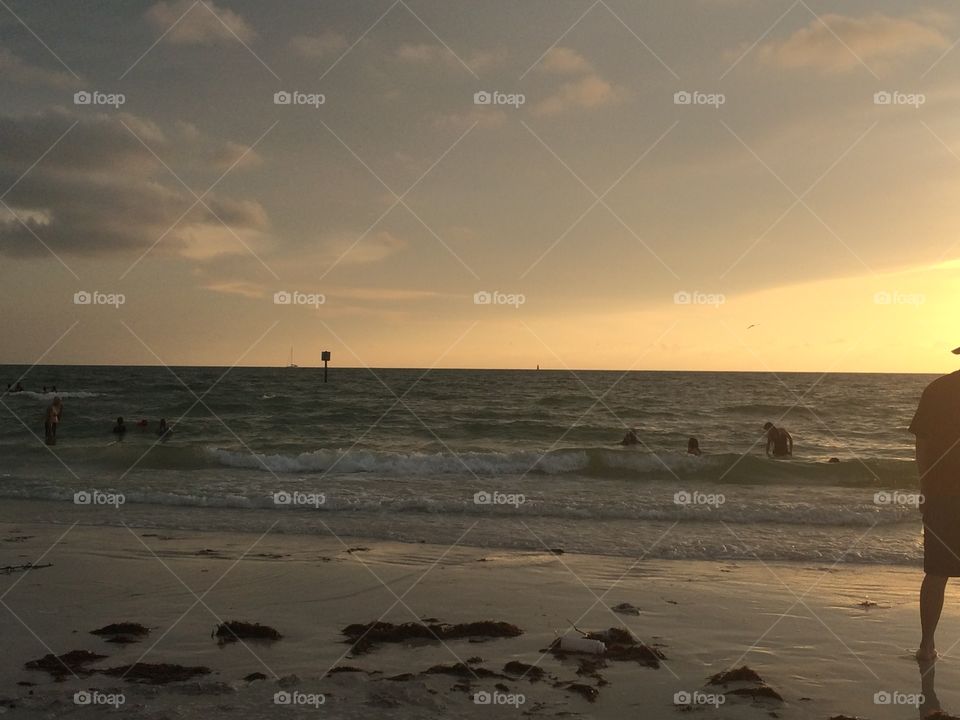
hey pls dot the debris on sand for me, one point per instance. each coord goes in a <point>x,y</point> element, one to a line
<point>626,608</point>
<point>364,636</point>
<point>463,671</point>
<point>234,630</point>
<point>7,569</point>
<point>757,689</point>
<point>741,674</point>
<point>255,676</point>
<point>73,662</point>
<point>122,633</point>
<point>621,645</point>
<point>588,691</point>
<point>523,670</point>
<point>759,692</point>
<point>344,669</point>
<point>156,674</point>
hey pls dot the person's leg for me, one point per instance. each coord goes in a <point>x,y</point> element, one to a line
<point>931,605</point>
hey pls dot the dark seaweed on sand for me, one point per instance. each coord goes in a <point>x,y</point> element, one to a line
<point>234,630</point>
<point>740,674</point>
<point>521,669</point>
<point>364,636</point>
<point>73,662</point>
<point>125,628</point>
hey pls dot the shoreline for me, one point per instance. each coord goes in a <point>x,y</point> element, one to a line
<point>799,625</point>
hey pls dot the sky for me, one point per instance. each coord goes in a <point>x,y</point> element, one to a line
<point>688,185</point>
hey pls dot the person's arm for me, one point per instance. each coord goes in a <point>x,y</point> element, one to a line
<point>925,460</point>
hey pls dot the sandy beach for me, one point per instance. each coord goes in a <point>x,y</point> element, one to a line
<point>826,639</point>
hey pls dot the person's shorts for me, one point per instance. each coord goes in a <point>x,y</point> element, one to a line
<point>941,536</point>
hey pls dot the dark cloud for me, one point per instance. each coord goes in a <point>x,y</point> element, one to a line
<point>100,190</point>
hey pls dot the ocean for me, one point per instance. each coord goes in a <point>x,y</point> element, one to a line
<point>497,459</point>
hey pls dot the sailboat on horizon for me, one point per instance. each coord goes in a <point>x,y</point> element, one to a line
<point>291,364</point>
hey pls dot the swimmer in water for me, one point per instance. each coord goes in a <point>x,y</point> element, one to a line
<point>631,438</point>
<point>119,429</point>
<point>164,431</point>
<point>779,441</point>
<point>693,447</point>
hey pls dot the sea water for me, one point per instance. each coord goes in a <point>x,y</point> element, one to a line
<point>502,459</point>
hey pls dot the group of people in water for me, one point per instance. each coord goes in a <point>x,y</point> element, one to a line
<point>19,388</point>
<point>164,430</point>
<point>779,442</point>
<point>53,416</point>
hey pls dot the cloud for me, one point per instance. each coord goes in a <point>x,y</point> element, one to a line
<point>234,155</point>
<point>564,61</point>
<point>427,54</point>
<point>587,93</point>
<point>15,68</point>
<point>197,23</point>
<point>239,287</point>
<point>485,117</point>
<point>373,248</point>
<point>99,192</point>
<point>875,38</point>
<point>317,46</point>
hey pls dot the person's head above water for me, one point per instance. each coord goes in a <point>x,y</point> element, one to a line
<point>693,444</point>
<point>767,425</point>
<point>119,421</point>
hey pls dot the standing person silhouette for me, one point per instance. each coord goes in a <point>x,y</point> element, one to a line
<point>936,426</point>
<point>52,419</point>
